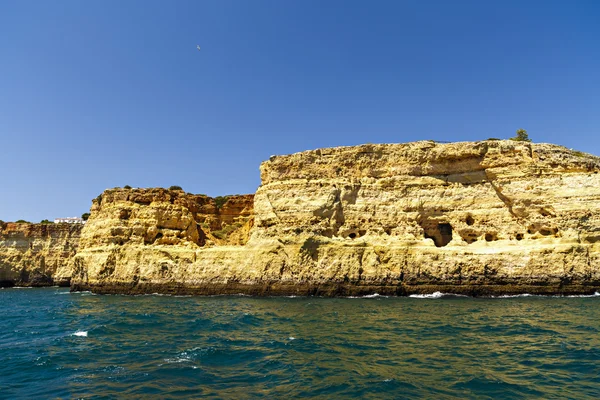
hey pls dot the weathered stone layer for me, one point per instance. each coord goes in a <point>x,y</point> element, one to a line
<point>37,254</point>
<point>492,217</point>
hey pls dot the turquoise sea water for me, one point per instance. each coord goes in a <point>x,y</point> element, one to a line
<point>57,344</point>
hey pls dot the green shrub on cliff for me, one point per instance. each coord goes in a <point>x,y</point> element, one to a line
<point>220,200</point>
<point>522,136</point>
<point>226,230</point>
<point>126,187</point>
<point>175,188</point>
<point>85,216</point>
<point>46,221</point>
<point>22,221</point>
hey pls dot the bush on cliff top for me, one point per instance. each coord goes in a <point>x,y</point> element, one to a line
<point>521,136</point>
<point>22,221</point>
<point>175,188</point>
<point>46,221</point>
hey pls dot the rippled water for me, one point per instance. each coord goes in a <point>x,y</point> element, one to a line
<point>57,344</point>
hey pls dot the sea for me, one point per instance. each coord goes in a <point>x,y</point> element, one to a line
<point>57,344</point>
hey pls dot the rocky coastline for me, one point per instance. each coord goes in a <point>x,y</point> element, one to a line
<point>37,255</point>
<point>481,218</point>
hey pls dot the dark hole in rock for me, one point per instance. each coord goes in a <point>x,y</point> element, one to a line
<point>469,238</point>
<point>548,231</point>
<point>440,233</point>
<point>446,232</point>
<point>519,236</point>
<point>388,231</point>
<point>352,235</point>
<point>470,220</point>
<point>531,231</point>
<point>490,237</point>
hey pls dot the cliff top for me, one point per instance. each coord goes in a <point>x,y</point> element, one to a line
<point>194,202</point>
<point>423,158</point>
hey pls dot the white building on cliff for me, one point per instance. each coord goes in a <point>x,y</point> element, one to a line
<point>69,220</point>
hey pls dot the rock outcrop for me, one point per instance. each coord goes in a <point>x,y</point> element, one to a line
<point>478,218</point>
<point>37,254</point>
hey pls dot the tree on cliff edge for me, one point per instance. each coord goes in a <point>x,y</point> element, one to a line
<point>522,136</point>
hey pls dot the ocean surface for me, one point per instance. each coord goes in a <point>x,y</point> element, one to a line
<point>56,344</point>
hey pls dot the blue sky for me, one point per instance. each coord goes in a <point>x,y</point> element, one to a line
<point>98,94</point>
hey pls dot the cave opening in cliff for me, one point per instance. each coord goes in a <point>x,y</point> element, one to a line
<point>446,234</point>
<point>440,233</point>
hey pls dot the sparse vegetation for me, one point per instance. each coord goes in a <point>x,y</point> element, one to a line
<point>226,230</point>
<point>126,187</point>
<point>46,221</point>
<point>99,198</point>
<point>221,200</point>
<point>175,187</point>
<point>578,153</point>
<point>493,138</point>
<point>521,136</point>
<point>85,216</point>
<point>22,221</point>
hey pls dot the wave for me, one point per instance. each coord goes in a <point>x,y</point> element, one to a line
<point>435,295</point>
<point>510,296</point>
<point>80,333</point>
<point>368,296</point>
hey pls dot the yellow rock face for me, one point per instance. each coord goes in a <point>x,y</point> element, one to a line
<point>37,254</point>
<point>487,217</point>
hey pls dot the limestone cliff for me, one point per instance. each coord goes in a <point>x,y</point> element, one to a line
<point>37,254</point>
<point>478,218</point>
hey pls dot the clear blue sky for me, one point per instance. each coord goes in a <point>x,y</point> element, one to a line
<point>98,94</point>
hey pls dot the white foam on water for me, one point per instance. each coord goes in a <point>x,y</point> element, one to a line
<point>511,296</point>
<point>596,294</point>
<point>183,358</point>
<point>367,296</point>
<point>291,338</point>
<point>80,333</point>
<point>434,295</point>
<point>22,287</point>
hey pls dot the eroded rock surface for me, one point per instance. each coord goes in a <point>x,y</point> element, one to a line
<point>490,217</point>
<point>37,254</point>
